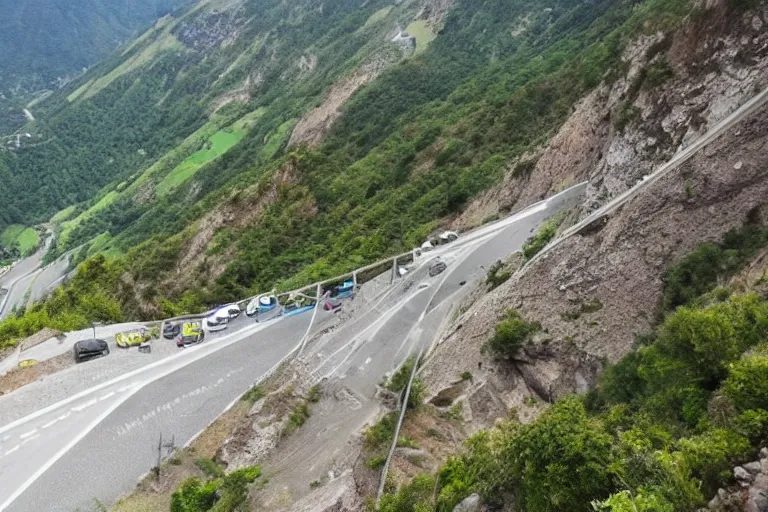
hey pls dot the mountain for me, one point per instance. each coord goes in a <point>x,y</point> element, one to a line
<point>44,44</point>
<point>239,144</point>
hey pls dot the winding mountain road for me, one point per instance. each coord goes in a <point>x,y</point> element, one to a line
<point>99,442</point>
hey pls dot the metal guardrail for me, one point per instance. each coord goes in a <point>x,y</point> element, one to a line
<point>403,408</point>
<point>676,161</point>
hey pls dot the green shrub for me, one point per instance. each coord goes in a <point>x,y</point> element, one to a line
<point>314,394</point>
<point>497,275</point>
<point>643,501</point>
<point>747,383</point>
<point>711,456</point>
<point>700,271</point>
<point>546,234</point>
<point>415,496</point>
<point>399,381</point>
<point>254,394</point>
<point>209,468</point>
<point>658,72</point>
<point>382,432</point>
<point>466,376</point>
<point>627,114</point>
<point>298,417</point>
<point>511,334</point>
<point>407,442</point>
<point>376,462</point>
<point>194,496</point>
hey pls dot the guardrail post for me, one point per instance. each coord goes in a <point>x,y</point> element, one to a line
<point>394,270</point>
<point>354,280</point>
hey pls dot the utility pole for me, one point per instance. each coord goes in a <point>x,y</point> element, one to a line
<point>160,446</point>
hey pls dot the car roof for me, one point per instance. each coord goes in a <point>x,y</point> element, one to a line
<point>92,343</point>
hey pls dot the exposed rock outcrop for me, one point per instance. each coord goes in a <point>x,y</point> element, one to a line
<point>675,89</point>
<point>313,126</point>
<point>749,493</point>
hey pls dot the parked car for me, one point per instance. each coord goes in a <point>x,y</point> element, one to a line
<point>233,310</point>
<point>85,350</point>
<point>132,338</point>
<point>447,237</point>
<point>437,267</point>
<point>344,290</point>
<point>171,331</point>
<point>192,333</point>
<point>261,305</point>
<point>219,320</point>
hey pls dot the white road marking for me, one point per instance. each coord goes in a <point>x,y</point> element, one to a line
<point>64,416</point>
<point>85,405</point>
<point>15,448</point>
<point>111,393</point>
<point>27,434</point>
<point>30,439</point>
<point>51,423</point>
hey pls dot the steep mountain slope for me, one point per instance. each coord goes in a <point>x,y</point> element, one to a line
<point>429,131</point>
<point>45,44</point>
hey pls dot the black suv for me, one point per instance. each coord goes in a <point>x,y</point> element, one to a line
<point>85,350</point>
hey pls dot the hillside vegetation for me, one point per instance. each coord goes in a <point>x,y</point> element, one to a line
<point>240,210</point>
<point>662,430</point>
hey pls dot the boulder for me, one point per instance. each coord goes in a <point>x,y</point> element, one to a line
<point>469,504</point>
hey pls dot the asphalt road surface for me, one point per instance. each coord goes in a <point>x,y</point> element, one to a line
<point>96,444</point>
<point>28,276</point>
<point>403,320</point>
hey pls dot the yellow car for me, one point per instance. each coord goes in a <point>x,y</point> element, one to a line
<point>132,338</point>
<point>192,333</point>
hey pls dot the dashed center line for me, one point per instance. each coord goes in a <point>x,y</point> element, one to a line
<point>30,439</point>
<point>27,434</point>
<point>111,393</point>
<point>84,406</point>
<point>51,423</point>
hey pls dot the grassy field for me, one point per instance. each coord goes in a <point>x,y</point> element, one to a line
<point>422,33</point>
<point>277,138</point>
<point>63,215</point>
<point>16,235</point>
<point>217,145</point>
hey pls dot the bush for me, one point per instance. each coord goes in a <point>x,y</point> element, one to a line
<point>658,72</point>
<point>298,417</point>
<point>416,496</point>
<point>700,271</point>
<point>254,394</point>
<point>511,334</point>
<point>376,462</point>
<point>497,275</point>
<point>209,468</point>
<point>711,456</point>
<point>747,383</point>
<point>194,496</point>
<point>546,233</point>
<point>382,432</point>
<point>562,461</point>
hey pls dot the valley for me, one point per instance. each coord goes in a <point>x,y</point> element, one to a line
<point>503,256</point>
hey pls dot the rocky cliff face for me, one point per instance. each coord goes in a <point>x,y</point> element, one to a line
<point>596,291</point>
<point>675,88</point>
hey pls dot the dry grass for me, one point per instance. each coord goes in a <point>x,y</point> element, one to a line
<point>153,494</point>
<point>19,377</point>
